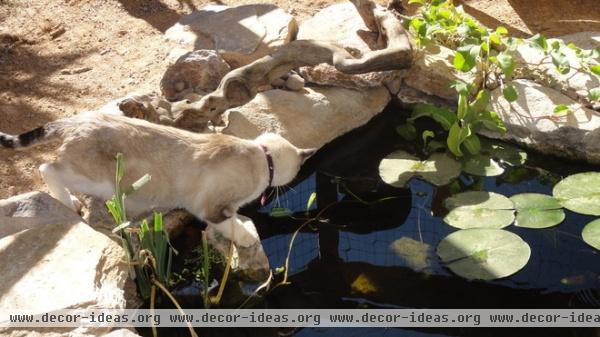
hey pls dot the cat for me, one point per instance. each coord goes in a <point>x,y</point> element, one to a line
<point>209,175</point>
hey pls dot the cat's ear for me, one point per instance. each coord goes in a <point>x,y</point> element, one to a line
<point>306,153</point>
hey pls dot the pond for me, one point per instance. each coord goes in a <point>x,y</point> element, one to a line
<point>375,245</point>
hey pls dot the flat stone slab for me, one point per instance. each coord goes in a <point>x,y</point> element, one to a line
<point>309,118</point>
<point>240,34</point>
<point>32,210</point>
<point>531,121</point>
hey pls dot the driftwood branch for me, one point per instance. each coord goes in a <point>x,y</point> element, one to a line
<point>241,85</point>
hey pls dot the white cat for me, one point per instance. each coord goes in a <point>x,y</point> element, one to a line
<point>210,175</point>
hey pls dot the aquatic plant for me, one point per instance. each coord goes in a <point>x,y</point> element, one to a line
<point>150,261</point>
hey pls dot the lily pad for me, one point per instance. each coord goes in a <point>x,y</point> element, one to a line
<point>479,210</point>
<point>399,167</point>
<point>482,165</point>
<point>580,193</point>
<point>591,234</point>
<point>484,253</point>
<point>536,210</point>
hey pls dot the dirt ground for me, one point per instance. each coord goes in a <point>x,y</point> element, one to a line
<point>61,57</point>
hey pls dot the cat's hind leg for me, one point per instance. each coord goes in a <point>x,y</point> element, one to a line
<point>53,177</point>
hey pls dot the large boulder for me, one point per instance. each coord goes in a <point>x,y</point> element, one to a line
<point>61,266</point>
<point>33,210</point>
<point>432,73</point>
<point>198,72</point>
<point>342,25</point>
<point>309,118</point>
<point>531,121</point>
<point>240,34</point>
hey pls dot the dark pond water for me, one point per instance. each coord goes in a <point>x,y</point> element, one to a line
<point>372,231</point>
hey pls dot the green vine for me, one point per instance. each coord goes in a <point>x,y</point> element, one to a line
<point>488,53</point>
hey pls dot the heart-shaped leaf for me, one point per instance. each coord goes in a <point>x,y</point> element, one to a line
<point>580,193</point>
<point>478,209</point>
<point>399,167</point>
<point>591,234</point>
<point>536,210</point>
<point>484,253</point>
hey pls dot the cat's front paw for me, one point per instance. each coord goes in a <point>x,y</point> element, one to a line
<point>238,229</point>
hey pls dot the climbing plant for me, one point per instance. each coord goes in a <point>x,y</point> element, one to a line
<point>490,54</point>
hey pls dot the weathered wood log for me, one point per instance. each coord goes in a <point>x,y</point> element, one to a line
<point>241,85</point>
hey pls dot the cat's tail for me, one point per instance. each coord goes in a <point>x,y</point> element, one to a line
<point>37,136</point>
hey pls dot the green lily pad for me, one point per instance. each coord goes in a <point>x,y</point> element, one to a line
<point>536,210</point>
<point>580,193</point>
<point>479,210</point>
<point>591,234</point>
<point>399,167</point>
<point>482,165</point>
<point>483,253</point>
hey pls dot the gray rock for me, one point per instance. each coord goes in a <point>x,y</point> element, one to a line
<point>310,118</point>
<point>199,71</point>
<point>33,210</point>
<point>61,267</point>
<point>340,24</point>
<point>531,122</point>
<point>240,34</point>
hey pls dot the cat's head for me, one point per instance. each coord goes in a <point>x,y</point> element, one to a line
<point>287,158</point>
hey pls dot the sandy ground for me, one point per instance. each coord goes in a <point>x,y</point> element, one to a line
<point>61,57</point>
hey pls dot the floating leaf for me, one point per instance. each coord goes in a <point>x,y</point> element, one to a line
<point>580,193</point>
<point>484,253</point>
<point>536,210</point>
<point>591,234</point>
<point>482,165</point>
<point>479,210</point>
<point>399,167</point>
